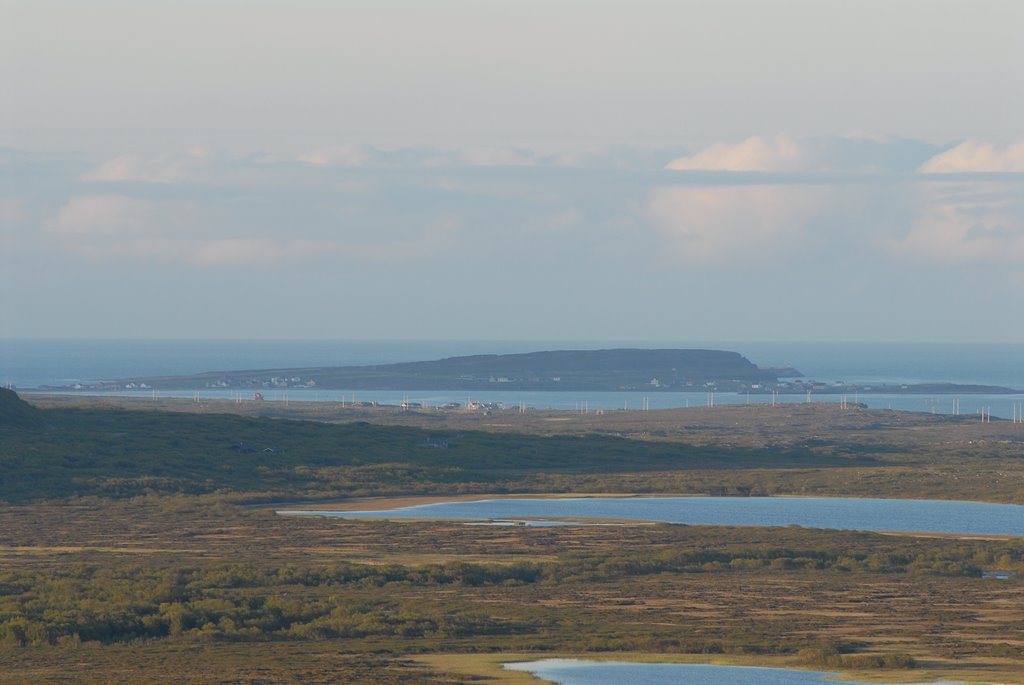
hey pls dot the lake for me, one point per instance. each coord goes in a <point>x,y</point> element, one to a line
<point>897,515</point>
<point>580,672</point>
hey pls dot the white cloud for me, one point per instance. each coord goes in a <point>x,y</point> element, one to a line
<point>250,251</point>
<point>109,215</point>
<point>118,226</point>
<point>345,155</point>
<point>350,155</point>
<point>967,222</point>
<point>981,221</point>
<point>158,169</point>
<point>977,157</point>
<point>705,225</point>
<point>497,156</point>
<point>283,213</point>
<point>612,157</point>
<point>854,153</point>
<point>780,153</point>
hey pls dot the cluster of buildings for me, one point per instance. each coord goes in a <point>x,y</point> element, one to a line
<point>469,378</point>
<point>274,382</point>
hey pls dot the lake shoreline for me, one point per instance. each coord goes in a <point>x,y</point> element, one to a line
<point>494,667</point>
<point>978,520</point>
<point>391,502</point>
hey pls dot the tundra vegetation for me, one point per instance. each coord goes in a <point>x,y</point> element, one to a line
<point>138,540</point>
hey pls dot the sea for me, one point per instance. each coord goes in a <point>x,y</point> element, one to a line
<point>29,364</point>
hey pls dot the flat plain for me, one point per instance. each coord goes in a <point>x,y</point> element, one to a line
<point>139,539</point>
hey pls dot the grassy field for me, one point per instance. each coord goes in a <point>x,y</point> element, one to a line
<point>163,577</point>
<point>136,544</point>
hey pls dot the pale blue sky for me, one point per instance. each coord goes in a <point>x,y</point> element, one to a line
<point>513,170</point>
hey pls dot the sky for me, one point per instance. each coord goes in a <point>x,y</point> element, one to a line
<point>533,170</point>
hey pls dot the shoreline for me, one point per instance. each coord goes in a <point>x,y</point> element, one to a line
<point>555,410</point>
<point>405,501</point>
<point>374,504</point>
<point>492,667</point>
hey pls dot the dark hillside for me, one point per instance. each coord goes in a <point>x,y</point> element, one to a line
<point>118,453</point>
<point>16,412</point>
<point>692,364</point>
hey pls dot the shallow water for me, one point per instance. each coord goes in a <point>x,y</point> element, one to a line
<point>911,516</point>
<point>579,672</point>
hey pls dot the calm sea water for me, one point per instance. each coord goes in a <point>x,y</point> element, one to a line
<point>580,672</point>
<point>911,516</point>
<point>31,363</point>
<point>27,364</point>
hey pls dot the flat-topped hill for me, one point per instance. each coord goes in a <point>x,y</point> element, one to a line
<point>626,365</point>
<point>611,370</point>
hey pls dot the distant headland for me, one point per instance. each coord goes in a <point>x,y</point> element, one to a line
<point>612,370</point>
<point>599,370</point>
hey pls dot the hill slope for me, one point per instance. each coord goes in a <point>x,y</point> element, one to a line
<point>16,412</point>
